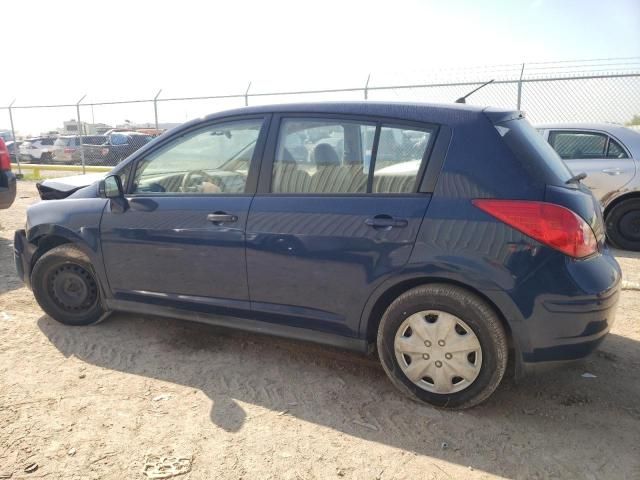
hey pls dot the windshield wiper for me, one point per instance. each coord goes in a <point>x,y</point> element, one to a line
<point>576,178</point>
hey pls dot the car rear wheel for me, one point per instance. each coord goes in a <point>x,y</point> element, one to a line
<point>65,286</point>
<point>45,158</point>
<point>443,345</point>
<point>623,225</point>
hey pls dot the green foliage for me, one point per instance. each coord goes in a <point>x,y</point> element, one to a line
<point>634,121</point>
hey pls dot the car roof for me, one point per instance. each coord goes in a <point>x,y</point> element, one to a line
<point>451,114</point>
<point>583,126</point>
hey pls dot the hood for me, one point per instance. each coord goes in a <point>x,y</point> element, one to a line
<point>62,187</point>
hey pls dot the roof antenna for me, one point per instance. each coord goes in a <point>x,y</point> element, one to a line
<point>464,99</point>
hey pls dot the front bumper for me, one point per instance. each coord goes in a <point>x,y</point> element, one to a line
<point>23,253</point>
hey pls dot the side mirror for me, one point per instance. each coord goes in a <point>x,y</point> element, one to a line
<point>111,187</point>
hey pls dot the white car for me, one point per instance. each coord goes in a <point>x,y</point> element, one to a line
<point>608,154</point>
<point>37,149</point>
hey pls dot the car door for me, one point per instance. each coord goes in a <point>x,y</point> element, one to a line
<point>181,238</point>
<point>330,223</point>
<point>603,158</point>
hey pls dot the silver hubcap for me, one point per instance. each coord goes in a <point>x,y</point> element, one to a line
<point>438,351</point>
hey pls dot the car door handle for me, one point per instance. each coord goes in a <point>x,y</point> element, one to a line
<point>221,217</point>
<point>386,222</point>
<point>612,171</point>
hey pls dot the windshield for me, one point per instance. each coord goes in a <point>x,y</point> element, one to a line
<point>533,151</point>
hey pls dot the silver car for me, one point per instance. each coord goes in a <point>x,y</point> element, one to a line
<point>609,155</point>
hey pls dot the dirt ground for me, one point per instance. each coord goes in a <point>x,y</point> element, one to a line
<point>95,402</point>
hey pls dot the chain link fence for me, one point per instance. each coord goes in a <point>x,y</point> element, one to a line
<point>104,133</point>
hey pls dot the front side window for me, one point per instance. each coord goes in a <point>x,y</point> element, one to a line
<point>579,145</point>
<point>335,156</point>
<point>214,160</point>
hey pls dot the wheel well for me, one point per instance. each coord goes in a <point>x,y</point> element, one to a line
<point>45,244</point>
<point>619,200</point>
<point>394,292</point>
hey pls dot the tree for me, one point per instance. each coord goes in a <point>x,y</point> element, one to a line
<point>634,121</point>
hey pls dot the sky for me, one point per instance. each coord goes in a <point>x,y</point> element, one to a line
<point>57,52</point>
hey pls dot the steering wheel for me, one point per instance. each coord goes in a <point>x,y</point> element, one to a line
<point>186,180</point>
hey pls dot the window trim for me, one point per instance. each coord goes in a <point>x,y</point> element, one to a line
<point>552,132</point>
<point>254,164</point>
<point>420,188</point>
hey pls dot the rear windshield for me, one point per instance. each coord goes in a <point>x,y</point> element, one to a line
<point>94,140</point>
<point>533,151</point>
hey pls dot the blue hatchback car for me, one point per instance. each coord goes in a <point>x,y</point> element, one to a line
<point>449,238</point>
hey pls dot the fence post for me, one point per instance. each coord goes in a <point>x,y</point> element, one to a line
<point>246,95</point>
<point>15,140</point>
<point>366,88</point>
<point>519,101</point>
<point>155,107</point>
<point>80,133</point>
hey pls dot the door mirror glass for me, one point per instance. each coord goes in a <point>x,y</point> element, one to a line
<point>111,187</point>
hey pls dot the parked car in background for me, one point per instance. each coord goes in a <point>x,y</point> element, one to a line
<point>117,146</point>
<point>7,178</point>
<point>14,149</point>
<point>449,237</point>
<point>609,155</point>
<point>66,148</point>
<point>39,149</point>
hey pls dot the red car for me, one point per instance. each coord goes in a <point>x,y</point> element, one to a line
<point>7,178</point>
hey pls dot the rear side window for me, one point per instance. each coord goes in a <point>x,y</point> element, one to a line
<point>574,145</point>
<point>319,156</point>
<point>322,156</point>
<point>615,150</point>
<point>398,159</point>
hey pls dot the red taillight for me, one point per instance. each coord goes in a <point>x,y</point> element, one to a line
<point>104,152</point>
<point>5,158</point>
<point>548,223</point>
<point>69,150</point>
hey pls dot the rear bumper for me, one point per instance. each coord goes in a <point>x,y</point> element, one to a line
<point>562,312</point>
<point>8,192</point>
<point>23,253</point>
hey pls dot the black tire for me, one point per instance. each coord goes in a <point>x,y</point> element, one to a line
<point>45,158</point>
<point>476,313</point>
<point>623,225</point>
<point>65,286</point>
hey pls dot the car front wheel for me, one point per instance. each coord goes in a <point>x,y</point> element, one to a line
<point>443,345</point>
<point>65,286</point>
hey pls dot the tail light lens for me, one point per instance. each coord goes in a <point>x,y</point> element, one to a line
<point>104,152</point>
<point>548,223</point>
<point>69,150</point>
<point>5,158</point>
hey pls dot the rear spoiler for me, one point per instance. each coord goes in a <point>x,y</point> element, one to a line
<point>498,116</point>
